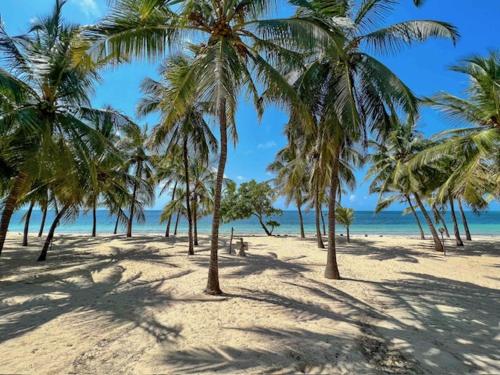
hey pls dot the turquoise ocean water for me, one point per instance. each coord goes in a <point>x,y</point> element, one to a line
<point>388,222</point>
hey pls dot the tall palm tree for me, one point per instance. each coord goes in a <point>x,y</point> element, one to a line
<point>190,132</point>
<point>356,92</point>
<point>238,48</point>
<point>392,176</point>
<point>474,149</point>
<point>139,163</point>
<point>45,90</point>
<point>169,171</point>
<point>112,178</point>
<point>291,179</point>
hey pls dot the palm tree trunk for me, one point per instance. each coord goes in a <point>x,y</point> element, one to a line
<point>348,236</point>
<point>441,220</point>
<point>301,219</point>
<point>50,235</point>
<point>331,269</point>
<point>231,241</point>
<point>42,224</point>
<point>132,203</point>
<point>455,224</point>
<point>213,286</point>
<point>319,239</point>
<point>322,219</point>
<point>27,223</point>
<point>167,231</point>
<point>464,221</point>
<point>438,245</point>
<point>10,204</point>
<point>188,198</point>
<point>116,224</point>
<point>422,235</point>
<point>195,220</point>
<point>94,219</point>
<point>177,222</point>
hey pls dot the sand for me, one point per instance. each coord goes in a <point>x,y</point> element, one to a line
<point>112,305</point>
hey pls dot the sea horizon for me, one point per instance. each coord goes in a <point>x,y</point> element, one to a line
<point>391,222</point>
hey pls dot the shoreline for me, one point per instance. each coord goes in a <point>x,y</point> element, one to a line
<point>413,236</point>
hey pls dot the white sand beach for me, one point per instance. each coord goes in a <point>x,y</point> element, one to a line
<point>112,305</point>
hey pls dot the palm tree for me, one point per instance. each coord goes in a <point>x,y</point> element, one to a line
<point>392,176</point>
<point>169,170</point>
<point>45,91</point>
<point>190,132</point>
<point>139,163</point>
<point>345,216</point>
<point>291,179</point>
<point>112,178</point>
<point>356,92</point>
<point>203,180</point>
<point>238,47</point>
<point>464,221</point>
<point>474,149</point>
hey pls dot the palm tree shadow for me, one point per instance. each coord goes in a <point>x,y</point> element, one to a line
<point>369,249</point>
<point>98,289</point>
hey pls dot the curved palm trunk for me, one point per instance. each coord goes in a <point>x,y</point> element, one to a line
<point>438,245</point>
<point>317,209</point>
<point>116,224</point>
<point>422,235</point>
<point>42,224</point>
<point>167,230</point>
<point>132,203</point>
<point>301,219</point>
<point>177,222</point>
<point>213,286</point>
<point>195,220</point>
<point>322,219</point>
<point>441,220</point>
<point>94,219</point>
<point>50,235</point>
<point>458,240</point>
<point>188,198</point>
<point>10,204</point>
<point>27,223</point>
<point>331,269</point>
<point>464,221</point>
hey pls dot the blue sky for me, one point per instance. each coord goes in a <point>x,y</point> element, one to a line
<point>422,67</point>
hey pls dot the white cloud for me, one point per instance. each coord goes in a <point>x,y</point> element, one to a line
<point>266,145</point>
<point>89,7</point>
<point>352,198</point>
<point>240,178</point>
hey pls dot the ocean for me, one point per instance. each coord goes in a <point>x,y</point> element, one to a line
<point>365,222</point>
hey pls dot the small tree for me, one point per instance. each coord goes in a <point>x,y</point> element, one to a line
<point>345,216</point>
<point>251,199</point>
